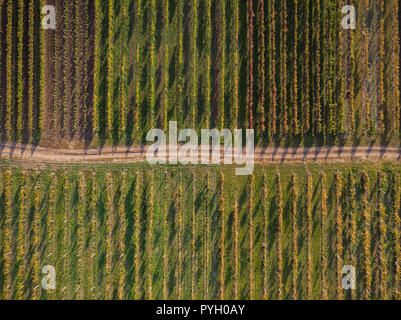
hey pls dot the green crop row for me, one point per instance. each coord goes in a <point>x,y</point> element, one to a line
<point>284,68</point>
<point>210,234</point>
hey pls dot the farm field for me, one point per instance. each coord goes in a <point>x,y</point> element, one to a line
<point>76,192</point>
<point>111,70</point>
<point>141,232</point>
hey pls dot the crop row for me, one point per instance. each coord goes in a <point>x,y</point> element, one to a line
<point>285,68</point>
<point>208,235</point>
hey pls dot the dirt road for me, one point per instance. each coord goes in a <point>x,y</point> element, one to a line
<point>137,154</point>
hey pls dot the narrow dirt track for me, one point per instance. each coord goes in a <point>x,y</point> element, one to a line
<point>138,154</point>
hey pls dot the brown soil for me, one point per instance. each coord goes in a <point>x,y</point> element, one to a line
<point>49,80</point>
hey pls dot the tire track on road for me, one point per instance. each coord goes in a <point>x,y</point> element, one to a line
<point>135,154</point>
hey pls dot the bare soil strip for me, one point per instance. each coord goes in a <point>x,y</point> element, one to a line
<point>138,154</point>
